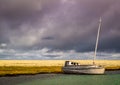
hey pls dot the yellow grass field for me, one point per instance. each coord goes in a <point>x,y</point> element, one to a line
<point>9,67</point>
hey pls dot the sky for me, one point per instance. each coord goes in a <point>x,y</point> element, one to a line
<point>59,29</point>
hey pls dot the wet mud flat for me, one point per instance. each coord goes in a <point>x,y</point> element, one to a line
<point>14,80</point>
<point>112,72</point>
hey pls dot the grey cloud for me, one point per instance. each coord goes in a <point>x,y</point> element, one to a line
<point>48,38</point>
<point>43,54</point>
<point>51,56</point>
<point>59,24</point>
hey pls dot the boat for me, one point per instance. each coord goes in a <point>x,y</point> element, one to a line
<point>77,68</point>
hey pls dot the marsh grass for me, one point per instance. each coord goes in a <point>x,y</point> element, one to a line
<point>15,70</point>
<point>16,67</point>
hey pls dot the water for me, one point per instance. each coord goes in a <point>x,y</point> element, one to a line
<point>107,79</point>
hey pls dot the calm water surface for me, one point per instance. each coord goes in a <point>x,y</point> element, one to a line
<point>107,79</point>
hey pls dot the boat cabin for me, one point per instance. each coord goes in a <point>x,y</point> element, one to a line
<point>69,63</point>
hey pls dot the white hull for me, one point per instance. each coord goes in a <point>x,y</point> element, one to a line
<point>83,70</point>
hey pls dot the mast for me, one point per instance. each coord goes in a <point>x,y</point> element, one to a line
<point>96,46</point>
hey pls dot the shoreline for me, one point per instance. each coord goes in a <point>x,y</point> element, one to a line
<point>109,71</point>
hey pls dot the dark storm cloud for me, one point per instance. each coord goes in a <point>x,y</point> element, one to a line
<point>48,38</point>
<point>59,24</point>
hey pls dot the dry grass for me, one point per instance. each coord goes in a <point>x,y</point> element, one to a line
<point>10,67</point>
<point>15,70</point>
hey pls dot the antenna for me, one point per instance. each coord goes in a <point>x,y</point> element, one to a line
<point>96,46</point>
